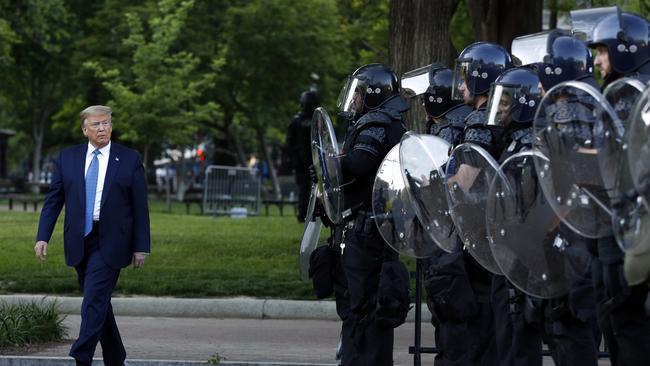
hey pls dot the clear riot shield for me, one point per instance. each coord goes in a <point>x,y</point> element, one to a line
<point>583,21</point>
<point>628,211</point>
<point>638,146</point>
<point>632,225</point>
<point>310,235</point>
<point>469,172</point>
<point>423,159</point>
<point>569,129</point>
<point>395,215</point>
<point>524,232</point>
<point>325,155</point>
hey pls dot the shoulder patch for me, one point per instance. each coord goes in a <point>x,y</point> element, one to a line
<point>481,136</point>
<point>477,117</point>
<point>457,115</point>
<point>373,118</point>
<point>524,136</point>
<point>570,111</point>
<point>375,133</point>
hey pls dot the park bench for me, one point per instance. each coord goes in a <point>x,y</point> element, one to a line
<point>280,203</point>
<point>25,199</point>
<point>193,195</point>
<point>287,187</point>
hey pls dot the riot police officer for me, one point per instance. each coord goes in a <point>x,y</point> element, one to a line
<point>477,66</point>
<point>570,326</point>
<point>450,294</point>
<point>622,50</point>
<point>514,97</point>
<point>621,44</point>
<point>371,102</point>
<point>298,148</point>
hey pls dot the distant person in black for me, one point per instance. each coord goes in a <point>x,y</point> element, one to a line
<point>298,148</point>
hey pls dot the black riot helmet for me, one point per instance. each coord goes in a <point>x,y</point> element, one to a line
<point>437,99</point>
<point>368,88</point>
<point>568,59</point>
<point>514,97</point>
<point>626,37</point>
<point>477,66</point>
<point>309,101</point>
<point>434,84</point>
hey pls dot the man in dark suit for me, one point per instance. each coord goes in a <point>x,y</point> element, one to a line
<point>106,228</point>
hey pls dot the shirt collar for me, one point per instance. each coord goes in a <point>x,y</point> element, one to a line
<point>104,150</point>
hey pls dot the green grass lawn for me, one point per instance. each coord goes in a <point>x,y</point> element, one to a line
<point>192,256</point>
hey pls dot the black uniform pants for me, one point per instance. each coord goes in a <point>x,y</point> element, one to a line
<point>571,340</point>
<point>365,340</point>
<point>519,343</point>
<point>621,308</point>
<point>304,190</point>
<point>459,301</point>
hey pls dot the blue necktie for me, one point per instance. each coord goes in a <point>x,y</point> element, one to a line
<point>91,189</point>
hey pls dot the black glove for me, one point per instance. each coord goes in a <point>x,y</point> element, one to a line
<point>312,174</point>
<point>319,211</point>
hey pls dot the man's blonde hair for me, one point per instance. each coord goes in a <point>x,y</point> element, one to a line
<point>95,110</point>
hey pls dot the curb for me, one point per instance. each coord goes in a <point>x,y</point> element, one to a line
<point>66,361</point>
<point>237,308</point>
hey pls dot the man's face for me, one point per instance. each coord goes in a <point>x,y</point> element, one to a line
<point>602,61</point>
<point>503,113</point>
<point>98,129</point>
<point>358,102</point>
<point>467,96</point>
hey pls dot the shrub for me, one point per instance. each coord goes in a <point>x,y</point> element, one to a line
<point>24,324</point>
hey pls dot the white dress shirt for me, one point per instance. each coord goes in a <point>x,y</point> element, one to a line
<point>104,154</point>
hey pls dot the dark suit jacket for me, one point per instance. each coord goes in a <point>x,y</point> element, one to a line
<point>124,213</point>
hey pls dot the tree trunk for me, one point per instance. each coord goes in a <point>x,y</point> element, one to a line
<point>236,140</point>
<point>494,20</point>
<point>37,134</point>
<point>419,35</point>
<point>267,157</point>
<point>552,20</point>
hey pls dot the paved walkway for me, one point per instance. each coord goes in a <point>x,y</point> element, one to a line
<point>281,332</point>
<point>293,341</point>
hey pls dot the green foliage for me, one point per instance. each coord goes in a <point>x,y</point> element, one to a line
<point>462,33</point>
<point>215,359</point>
<point>7,38</point>
<point>155,99</point>
<point>365,24</point>
<point>265,71</point>
<point>34,85</point>
<point>26,324</point>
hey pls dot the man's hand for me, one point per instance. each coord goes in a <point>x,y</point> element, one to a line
<point>138,259</point>
<point>40,249</point>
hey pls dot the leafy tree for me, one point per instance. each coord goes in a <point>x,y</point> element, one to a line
<point>271,51</point>
<point>155,97</point>
<point>36,84</point>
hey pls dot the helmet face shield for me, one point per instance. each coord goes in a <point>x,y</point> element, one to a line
<point>460,83</point>
<point>584,21</point>
<point>509,103</point>
<point>349,102</point>
<point>532,48</point>
<point>415,82</point>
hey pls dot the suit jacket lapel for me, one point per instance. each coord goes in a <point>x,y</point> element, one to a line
<point>113,164</point>
<point>80,173</point>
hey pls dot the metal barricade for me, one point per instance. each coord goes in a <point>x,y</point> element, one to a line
<point>228,187</point>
